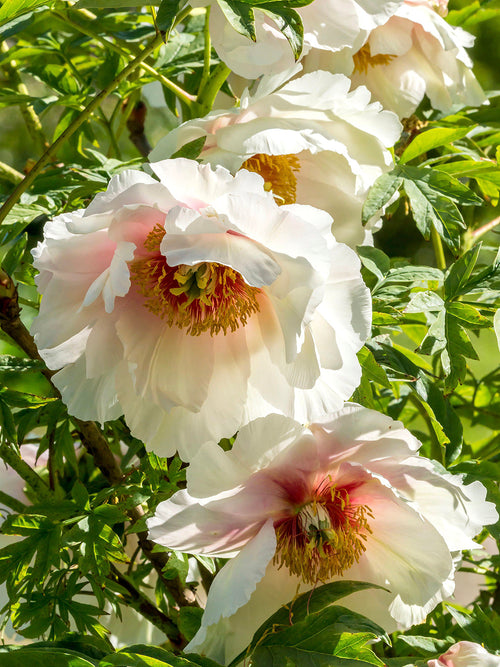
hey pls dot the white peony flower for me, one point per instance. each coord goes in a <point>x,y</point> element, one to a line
<point>294,507</point>
<point>194,304</point>
<point>466,654</point>
<point>329,25</point>
<point>312,140</point>
<point>416,53</point>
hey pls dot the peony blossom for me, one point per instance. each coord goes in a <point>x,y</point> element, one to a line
<point>329,26</point>
<point>195,303</point>
<point>312,141</point>
<point>294,507</point>
<point>415,53</point>
<point>466,654</point>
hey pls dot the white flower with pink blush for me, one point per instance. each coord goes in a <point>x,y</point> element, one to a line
<point>195,303</point>
<point>294,507</point>
<point>417,53</point>
<point>329,25</point>
<point>312,141</point>
<point>466,654</point>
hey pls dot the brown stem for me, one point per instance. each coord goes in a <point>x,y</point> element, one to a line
<point>135,127</point>
<point>146,608</point>
<point>90,435</point>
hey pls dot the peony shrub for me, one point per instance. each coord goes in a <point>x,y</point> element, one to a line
<point>237,426</point>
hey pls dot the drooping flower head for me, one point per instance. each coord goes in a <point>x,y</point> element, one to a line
<point>466,654</point>
<point>294,507</point>
<point>415,53</point>
<point>312,141</point>
<point>329,25</point>
<point>195,303</point>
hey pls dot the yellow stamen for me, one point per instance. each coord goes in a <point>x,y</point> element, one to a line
<point>204,297</point>
<point>278,174</point>
<point>363,59</point>
<point>324,538</point>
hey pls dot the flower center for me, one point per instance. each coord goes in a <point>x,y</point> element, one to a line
<point>324,537</point>
<point>278,172</point>
<point>203,297</point>
<point>363,59</point>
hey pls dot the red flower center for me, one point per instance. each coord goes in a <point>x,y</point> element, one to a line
<point>324,536</point>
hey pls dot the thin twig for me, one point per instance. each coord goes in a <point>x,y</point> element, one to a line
<point>123,48</point>
<point>141,603</point>
<point>71,129</point>
<point>90,435</point>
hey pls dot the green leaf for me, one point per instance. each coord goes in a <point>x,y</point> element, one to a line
<point>189,621</point>
<point>433,197</point>
<point>468,315</point>
<point>308,603</point>
<point>11,9</point>
<point>167,12</point>
<point>240,16</point>
<point>25,657</point>
<point>290,24</point>
<point>328,637</point>
<point>380,193</point>
<point>460,272</point>
<point>375,261</point>
<point>191,150</point>
<point>18,364</point>
<point>372,369</point>
<point>13,257</point>
<point>140,655</point>
<point>433,138</point>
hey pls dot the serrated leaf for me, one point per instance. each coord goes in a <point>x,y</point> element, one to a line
<point>380,193</point>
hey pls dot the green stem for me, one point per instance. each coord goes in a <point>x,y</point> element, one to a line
<point>209,92</point>
<point>71,129</point>
<point>438,249</point>
<point>12,458</point>
<point>122,48</point>
<point>11,502</point>
<point>207,52</point>
<point>31,119</point>
<point>10,174</point>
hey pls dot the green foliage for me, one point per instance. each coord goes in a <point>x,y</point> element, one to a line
<point>76,542</point>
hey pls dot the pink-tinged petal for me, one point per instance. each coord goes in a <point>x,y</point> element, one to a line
<point>130,188</point>
<point>353,432</point>
<point>181,523</point>
<point>395,559</point>
<point>466,654</point>
<point>115,280</point>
